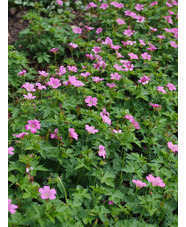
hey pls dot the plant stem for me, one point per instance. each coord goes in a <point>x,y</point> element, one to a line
<point>86,141</point>
<point>95,182</point>
<point>22,148</point>
<point>55,59</point>
<point>122,165</point>
<point>58,167</point>
<point>165,211</point>
<point>63,189</point>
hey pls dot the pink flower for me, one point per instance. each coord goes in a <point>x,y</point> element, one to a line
<point>168,19</point>
<point>55,83</point>
<point>47,193</point>
<point>102,151</point>
<point>129,117</point>
<point>142,42</point>
<point>173,44</point>
<point>104,112</point>
<point>66,83</point>
<point>21,135</point>
<point>117,5</point>
<point>98,57</point>
<point>174,2</point>
<point>90,56</point>
<point>146,56</point>
<point>153,29</point>
<point>161,89</point>
<point>171,87</point>
<point>120,21</point>
<point>97,79</point>
<point>54,50</point>
<point>91,129</point>
<point>133,56</point>
<point>99,30</point>
<point>156,181</point>
<point>129,42</point>
<point>77,30</point>
<point>171,12</point>
<point>155,106</point>
<point>105,119</point>
<point>85,74</point>
<point>144,80</point>
<point>133,15</point>
<point>22,73</point>
<point>139,7</point>
<point>110,202</point>
<point>91,5</point>
<point>132,120</point>
<point>115,76</point>
<point>119,55</point>
<point>168,4</point>
<point>72,68</point>
<point>125,62</point>
<point>173,147</point>
<point>117,131</point>
<point>91,101</point>
<point>96,50</point>
<point>115,47</point>
<point>136,124</point>
<point>28,86</point>
<point>33,125</point>
<point>167,30</point>
<point>161,36</point>
<point>128,67</point>
<point>74,81</point>
<point>73,45</point>
<point>55,135</point>
<point>154,3</point>
<point>128,32</point>
<point>29,96</point>
<point>10,150</point>
<point>139,18</point>
<point>100,64</point>
<point>39,86</point>
<point>59,2</point>
<point>73,134</point>
<point>43,73</point>
<point>139,184</point>
<point>89,28</point>
<point>111,85</point>
<point>103,6</point>
<point>127,13</point>
<point>108,41</point>
<point>11,207</point>
<point>118,67</point>
<point>62,71</point>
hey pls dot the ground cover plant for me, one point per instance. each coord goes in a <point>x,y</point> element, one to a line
<point>93,115</point>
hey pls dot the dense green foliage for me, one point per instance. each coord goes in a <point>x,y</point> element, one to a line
<point>92,190</point>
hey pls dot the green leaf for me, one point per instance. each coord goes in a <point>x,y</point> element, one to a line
<point>108,179</point>
<point>116,197</point>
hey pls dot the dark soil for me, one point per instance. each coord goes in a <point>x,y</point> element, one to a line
<point>15,25</point>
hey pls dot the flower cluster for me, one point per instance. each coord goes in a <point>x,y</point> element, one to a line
<point>132,120</point>
<point>173,147</point>
<point>105,117</point>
